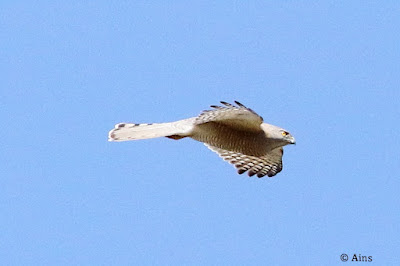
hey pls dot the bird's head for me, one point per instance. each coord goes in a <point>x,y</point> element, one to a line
<point>287,137</point>
<point>278,134</point>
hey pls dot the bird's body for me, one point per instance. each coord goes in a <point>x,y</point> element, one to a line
<point>236,133</point>
<point>227,138</point>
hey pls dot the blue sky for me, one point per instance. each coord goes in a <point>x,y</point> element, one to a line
<point>328,72</point>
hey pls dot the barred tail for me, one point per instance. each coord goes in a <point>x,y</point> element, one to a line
<point>126,131</point>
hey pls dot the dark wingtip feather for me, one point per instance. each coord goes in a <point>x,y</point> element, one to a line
<point>251,173</point>
<point>239,104</point>
<point>271,174</point>
<point>241,171</point>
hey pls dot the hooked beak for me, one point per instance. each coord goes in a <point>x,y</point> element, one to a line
<point>292,140</point>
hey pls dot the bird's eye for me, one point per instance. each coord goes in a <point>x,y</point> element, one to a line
<point>285,133</point>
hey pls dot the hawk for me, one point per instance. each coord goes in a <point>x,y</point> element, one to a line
<point>235,132</point>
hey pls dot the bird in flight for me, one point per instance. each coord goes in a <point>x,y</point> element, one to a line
<point>236,133</point>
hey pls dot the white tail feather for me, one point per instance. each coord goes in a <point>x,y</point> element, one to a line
<point>127,131</point>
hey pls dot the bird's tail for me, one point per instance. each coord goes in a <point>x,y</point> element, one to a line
<point>127,131</point>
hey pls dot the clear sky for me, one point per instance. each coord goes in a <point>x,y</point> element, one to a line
<point>328,72</point>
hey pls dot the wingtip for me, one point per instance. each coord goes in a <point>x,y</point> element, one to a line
<point>251,173</point>
<point>241,171</point>
<point>227,104</point>
<point>230,105</point>
<point>238,103</point>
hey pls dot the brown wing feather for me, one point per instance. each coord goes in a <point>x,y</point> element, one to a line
<point>239,117</point>
<point>269,164</point>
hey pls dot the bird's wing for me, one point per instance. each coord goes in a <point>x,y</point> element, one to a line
<point>237,116</point>
<point>269,164</point>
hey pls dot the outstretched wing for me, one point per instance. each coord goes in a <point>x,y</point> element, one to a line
<point>237,116</point>
<point>269,164</point>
